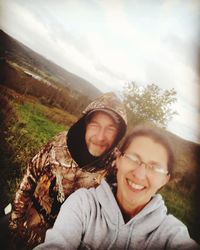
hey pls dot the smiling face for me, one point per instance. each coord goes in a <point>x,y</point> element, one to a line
<point>136,185</point>
<point>101,132</point>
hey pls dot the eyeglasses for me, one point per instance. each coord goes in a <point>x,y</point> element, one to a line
<point>150,168</point>
<point>111,129</point>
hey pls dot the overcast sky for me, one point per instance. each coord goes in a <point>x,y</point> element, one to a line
<point>111,42</point>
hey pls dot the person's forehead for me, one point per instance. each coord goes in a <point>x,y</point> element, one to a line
<point>146,145</point>
<point>143,140</point>
<point>102,116</point>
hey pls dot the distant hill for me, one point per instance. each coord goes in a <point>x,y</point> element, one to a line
<point>15,51</point>
<point>187,155</point>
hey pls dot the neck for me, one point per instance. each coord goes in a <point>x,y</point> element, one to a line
<point>129,214</point>
<point>128,210</point>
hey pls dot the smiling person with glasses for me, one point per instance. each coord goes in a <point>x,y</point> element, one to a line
<point>128,214</point>
<point>144,166</point>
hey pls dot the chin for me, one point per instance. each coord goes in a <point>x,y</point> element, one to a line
<point>95,153</point>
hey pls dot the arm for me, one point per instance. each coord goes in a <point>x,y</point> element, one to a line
<point>173,234</point>
<point>180,238</point>
<point>70,224</point>
<point>23,198</point>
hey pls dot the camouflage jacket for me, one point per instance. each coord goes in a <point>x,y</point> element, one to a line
<point>52,175</point>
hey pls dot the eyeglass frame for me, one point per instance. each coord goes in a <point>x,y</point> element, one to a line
<point>148,166</point>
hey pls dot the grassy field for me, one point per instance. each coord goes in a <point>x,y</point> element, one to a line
<point>182,206</point>
<point>26,125</point>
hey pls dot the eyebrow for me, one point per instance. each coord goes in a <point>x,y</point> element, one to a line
<point>140,158</point>
<point>135,154</point>
<point>93,120</point>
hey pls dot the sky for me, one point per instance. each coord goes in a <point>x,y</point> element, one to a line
<point>112,42</point>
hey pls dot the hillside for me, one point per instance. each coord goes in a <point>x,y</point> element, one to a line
<point>186,153</point>
<point>14,51</point>
<point>26,125</point>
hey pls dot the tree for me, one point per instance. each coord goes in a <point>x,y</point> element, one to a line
<point>148,104</point>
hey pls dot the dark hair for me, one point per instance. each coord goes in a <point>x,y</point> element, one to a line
<point>158,135</point>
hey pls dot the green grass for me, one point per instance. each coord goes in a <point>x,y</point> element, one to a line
<point>31,130</point>
<point>28,126</point>
<point>35,125</point>
<point>177,203</point>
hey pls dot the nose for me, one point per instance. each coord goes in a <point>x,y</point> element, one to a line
<point>140,172</point>
<point>101,134</point>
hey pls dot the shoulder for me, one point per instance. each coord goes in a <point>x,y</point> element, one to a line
<point>82,199</point>
<point>89,197</point>
<point>59,140</point>
<point>175,233</point>
<point>168,223</point>
<point>55,149</point>
<point>167,231</point>
<point>173,223</point>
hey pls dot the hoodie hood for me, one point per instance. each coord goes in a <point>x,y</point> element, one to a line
<point>148,219</point>
<point>137,229</point>
<point>109,103</point>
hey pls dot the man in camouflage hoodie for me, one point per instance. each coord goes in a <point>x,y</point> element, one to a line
<point>74,159</point>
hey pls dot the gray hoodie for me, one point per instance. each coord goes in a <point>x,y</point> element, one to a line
<point>91,219</point>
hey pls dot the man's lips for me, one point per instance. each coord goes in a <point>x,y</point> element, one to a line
<point>99,144</point>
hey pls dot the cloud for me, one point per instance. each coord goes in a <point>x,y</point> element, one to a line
<point>112,42</point>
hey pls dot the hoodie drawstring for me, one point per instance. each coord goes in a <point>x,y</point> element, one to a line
<point>116,234</point>
<point>129,237</point>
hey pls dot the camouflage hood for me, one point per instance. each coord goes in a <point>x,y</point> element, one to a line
<point>108,103</point>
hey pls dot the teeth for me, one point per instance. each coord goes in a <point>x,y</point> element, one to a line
<point>135,186</point>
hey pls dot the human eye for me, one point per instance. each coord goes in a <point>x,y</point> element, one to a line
<point>156,169</point>
<point>134,159</point>
<point>112,129</point>
<point>93,125</point>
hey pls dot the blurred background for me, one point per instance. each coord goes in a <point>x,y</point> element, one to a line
<point>57,57</point>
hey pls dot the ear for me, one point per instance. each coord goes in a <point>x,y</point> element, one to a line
<point>118,158</point>
<point>166,179</point>
<point>117,152</point>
